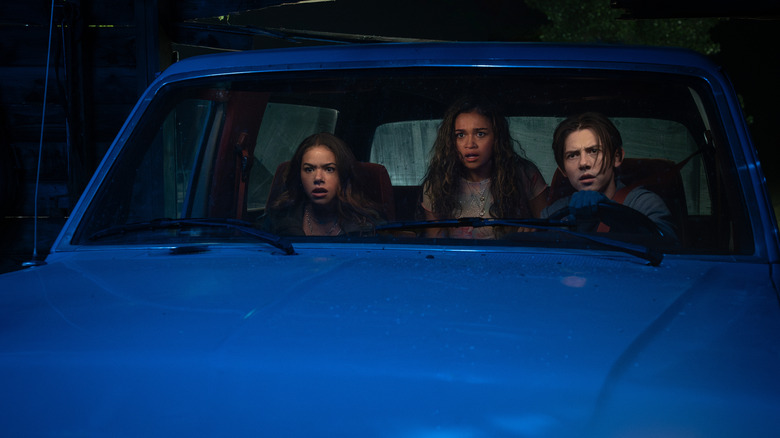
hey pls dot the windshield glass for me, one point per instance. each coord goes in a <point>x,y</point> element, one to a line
<point>375,155</point>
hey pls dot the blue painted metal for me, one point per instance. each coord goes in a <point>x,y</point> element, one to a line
<point>244,341</point>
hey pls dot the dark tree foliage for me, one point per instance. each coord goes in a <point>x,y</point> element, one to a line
<point>594,21</point>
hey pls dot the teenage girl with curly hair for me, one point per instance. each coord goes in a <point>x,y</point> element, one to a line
<point>321,196</point>
<point>476,172</point>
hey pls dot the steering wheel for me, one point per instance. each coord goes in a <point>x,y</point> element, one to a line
<point>618,217</point>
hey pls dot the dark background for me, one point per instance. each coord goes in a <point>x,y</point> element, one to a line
<point>105,52</point>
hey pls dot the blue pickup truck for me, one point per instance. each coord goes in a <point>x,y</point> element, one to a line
<point>167,308</point>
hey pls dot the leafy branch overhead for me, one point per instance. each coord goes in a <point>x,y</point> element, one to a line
<point>594,21</point>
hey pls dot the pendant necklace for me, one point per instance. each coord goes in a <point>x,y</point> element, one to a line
<point>479,201</point>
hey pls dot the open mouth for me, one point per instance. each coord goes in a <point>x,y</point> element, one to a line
<point>587,180</point>
<point>319,193</point>
<point>471,157</point>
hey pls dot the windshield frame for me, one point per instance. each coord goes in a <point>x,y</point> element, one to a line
<point>69,239</point>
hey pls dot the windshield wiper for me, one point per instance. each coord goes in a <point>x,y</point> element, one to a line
<point>641,251</point>
<point>232,224</point>
<point>474,222</point>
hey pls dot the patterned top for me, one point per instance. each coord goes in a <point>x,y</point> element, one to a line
<point>475,201</point>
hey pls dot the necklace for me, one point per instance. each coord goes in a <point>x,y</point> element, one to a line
<point>307,217</point>
<point>478,197</point>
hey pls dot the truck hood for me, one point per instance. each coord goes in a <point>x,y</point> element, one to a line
<point>381,342</point>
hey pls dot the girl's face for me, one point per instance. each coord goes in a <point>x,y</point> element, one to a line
<point>319,175</point>
<point>474,139</point>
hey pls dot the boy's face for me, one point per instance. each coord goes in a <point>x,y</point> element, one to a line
<point>582,158</point>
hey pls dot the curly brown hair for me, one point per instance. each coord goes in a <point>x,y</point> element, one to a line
<point>508,174</point>
<point>351,204</point>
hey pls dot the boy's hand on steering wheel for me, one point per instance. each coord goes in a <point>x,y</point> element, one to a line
<point>586,201</point>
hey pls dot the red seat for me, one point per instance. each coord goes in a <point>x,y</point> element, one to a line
<point>371,178</point>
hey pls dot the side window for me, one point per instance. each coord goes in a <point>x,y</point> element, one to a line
<point>160,176</point>
<point>653,138</point>
<point>283,128</point>
<point>183,135</point>
<point>534,134</point>
<point>172,157</point>
<point>404,149</point>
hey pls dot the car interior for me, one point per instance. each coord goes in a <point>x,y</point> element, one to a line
<point>222,144</point>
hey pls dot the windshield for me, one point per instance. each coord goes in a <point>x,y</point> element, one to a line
<point>222,147</point>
